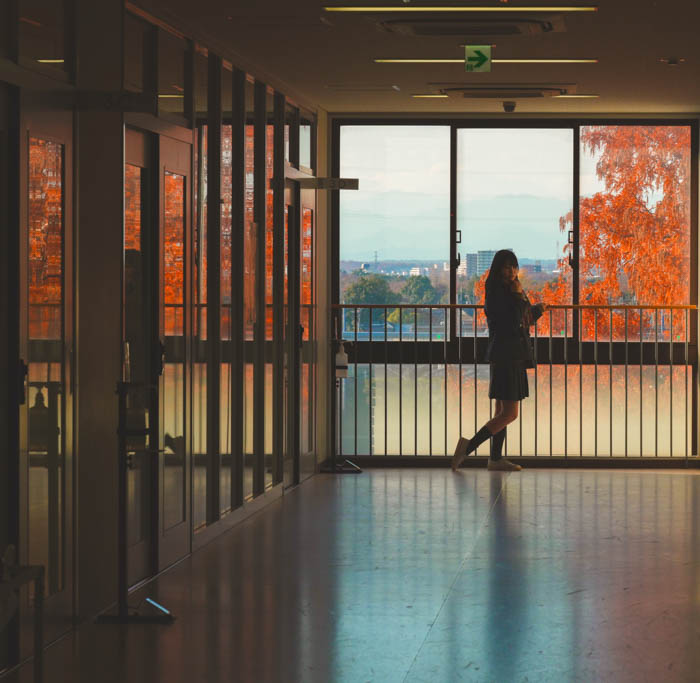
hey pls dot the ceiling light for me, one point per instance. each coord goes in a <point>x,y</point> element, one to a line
<point>494,61</point>
<point>672,61</point>
<point>179,97</point>
<point>574,97</point>
<point>363,10</point>
<point>545,61</point>
<point>435,96</point>
<point>51,61</point>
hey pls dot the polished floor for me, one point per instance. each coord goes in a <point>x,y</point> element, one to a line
<point>428,576</point>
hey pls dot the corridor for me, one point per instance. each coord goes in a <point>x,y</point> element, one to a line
<point>412,575</point>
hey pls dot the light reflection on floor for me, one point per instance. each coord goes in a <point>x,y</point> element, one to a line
<point>429,576</point>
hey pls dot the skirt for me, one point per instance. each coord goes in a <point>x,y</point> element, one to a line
<point>508,381</point>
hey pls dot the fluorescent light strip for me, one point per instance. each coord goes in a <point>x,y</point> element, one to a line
<point>51,61</point>
<point>431,96</point>
<point>363,10</point>
<point>574,97</point>
<point>494,61</point>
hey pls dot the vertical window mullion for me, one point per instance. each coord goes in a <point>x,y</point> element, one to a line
<point>259,365</point>
<point>213,286</point>
<point>574,260</point>
<point>237,266</point>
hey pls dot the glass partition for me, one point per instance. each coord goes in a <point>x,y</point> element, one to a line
<point>46,395</point>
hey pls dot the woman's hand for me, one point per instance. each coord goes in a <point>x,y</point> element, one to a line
<point>545,307</point>
<point>516,286</point>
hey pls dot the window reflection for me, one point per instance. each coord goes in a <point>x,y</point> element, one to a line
<point>46,395</point>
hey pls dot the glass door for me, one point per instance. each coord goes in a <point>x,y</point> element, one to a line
<point>139,334</point>
<point>46,323</point>
<point>174,471</point>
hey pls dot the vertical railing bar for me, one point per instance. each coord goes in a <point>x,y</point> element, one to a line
<point>580,382</point>
<point>656,382</point>
<point>475,374</point>
<point>670,391</point>
<point>595,382</point>
<point>444,360</point>
<point>610,376</point>
<point>536,388</point>
<point>357,322</point>
<point>641,354</point>
<point>550,381</point>
<point>566,379</point>
<point>415,380</point>
<point>386,388</point>
<point>626,375</point>
<point>400,381</point>
<point>687,327</point>
<point>459,360</point>
<point>369,401</point>
<point>430,380</point>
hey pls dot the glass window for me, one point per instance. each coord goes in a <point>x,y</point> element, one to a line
<point>42,27</point>
<point>249,270</point>
<point>634,227</point>
<point>225,445</point>
<point>395,230</point>
<point>514,189</point>
<point>306,130</point>
<point>269,261</point>
<point>171,73</point>
<point>47,392</point>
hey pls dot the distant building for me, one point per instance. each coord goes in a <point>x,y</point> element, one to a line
<point>533,267</point>
<point>445,266</point>
<point>483,261</point>
<point>462,270</point>
<point>414,271</point>
<point>470,262</point>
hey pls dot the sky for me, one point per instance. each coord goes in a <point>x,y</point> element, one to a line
<point>513,185</point>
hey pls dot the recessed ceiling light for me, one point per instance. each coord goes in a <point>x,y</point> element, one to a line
<point>365,9</point>
<point>494,61</point>
<point>51,61</point>
<point>672,61</point>
<point>435,95</point>
<point>574,97</point>
<point>170,97</point>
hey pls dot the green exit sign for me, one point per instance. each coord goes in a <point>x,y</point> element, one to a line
<point>477,57</point>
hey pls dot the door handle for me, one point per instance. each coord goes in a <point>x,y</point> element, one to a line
<point>161,357</point>
<point>22,372</point>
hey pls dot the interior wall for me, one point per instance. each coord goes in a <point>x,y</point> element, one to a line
<point>99,169</point>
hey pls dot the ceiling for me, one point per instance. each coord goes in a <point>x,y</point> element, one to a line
<point>326,59</point>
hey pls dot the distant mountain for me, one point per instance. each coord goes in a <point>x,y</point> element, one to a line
<point>416,225</point>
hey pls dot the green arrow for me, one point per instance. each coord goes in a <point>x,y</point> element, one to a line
<point>480,59</point>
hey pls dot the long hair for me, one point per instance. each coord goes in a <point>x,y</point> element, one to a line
<point>501,258</point>
<point>504,257</point>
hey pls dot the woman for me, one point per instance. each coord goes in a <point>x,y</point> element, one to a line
<point>509,316</point>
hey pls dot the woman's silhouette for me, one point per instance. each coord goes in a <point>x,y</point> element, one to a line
<point>509,315</point>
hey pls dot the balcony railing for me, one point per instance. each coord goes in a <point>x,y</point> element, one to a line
<point>608,381</point>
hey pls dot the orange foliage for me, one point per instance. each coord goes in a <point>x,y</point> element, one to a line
<point>634,236</point>
<point>45,226</point>
<point>173,253</point>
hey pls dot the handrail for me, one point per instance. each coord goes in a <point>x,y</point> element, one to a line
<point>631,307</point>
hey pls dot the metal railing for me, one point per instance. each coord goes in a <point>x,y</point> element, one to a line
<point>617,381</point>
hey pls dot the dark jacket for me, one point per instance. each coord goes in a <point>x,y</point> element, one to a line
<point>509,317</point>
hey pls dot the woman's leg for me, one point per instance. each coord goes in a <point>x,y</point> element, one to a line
<point>508,412</point>
<point>498,438</point>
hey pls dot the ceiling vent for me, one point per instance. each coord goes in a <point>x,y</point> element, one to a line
<point>477,27</point>
<point>503,91</point>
